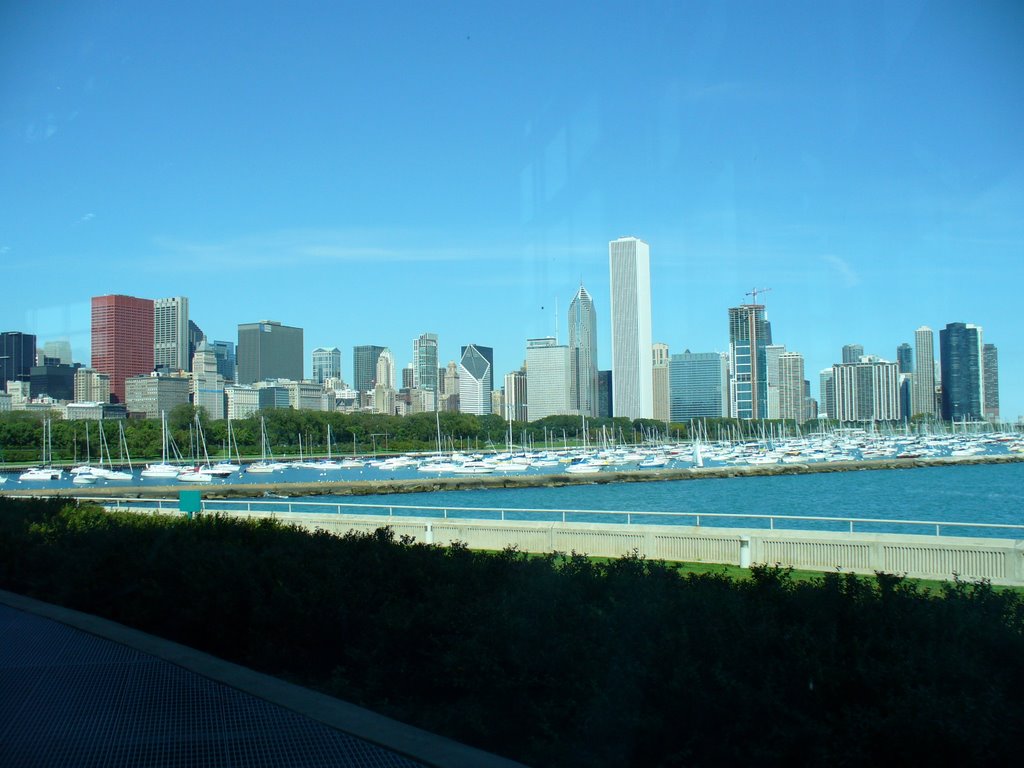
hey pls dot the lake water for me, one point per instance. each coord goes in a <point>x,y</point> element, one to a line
<point>983,493</point>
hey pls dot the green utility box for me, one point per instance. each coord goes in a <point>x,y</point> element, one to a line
<point>190,502</point>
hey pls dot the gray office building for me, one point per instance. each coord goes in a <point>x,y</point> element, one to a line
<point>269,350</point>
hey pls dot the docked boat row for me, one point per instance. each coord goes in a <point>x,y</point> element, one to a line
<point>841,446</point>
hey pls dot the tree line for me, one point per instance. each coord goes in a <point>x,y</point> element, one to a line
<point>21,433</point>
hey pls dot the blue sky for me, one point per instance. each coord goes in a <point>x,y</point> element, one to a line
<point>373,173</point>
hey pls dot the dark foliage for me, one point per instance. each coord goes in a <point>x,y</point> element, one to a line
<point>557,660</point>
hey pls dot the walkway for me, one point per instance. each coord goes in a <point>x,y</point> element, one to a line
<point>71,698</point>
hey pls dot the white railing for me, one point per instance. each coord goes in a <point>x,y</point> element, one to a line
<point>631,517</point>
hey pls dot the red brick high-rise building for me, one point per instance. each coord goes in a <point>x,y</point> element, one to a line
<point>122,339</point>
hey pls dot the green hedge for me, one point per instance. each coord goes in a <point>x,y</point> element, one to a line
<point>557,661</point>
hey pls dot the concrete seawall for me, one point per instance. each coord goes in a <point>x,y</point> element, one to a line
<point>429,484</point>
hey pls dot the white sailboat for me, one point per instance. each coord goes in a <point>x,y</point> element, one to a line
<point>108,472</point>
<point>163,469</point>
<point>261,467</point>
<point>225,467</point>
<point>47,471</point>
<point>199,473</point>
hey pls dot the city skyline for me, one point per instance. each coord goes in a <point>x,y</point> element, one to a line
<point>866,166</point>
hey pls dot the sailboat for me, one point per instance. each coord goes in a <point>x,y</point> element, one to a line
<point>198,473</point>
<point>352,463</point>
<point>47,471</point>
<point>108,472</point>
<point>163,469</point>
<point>329,462</point>
<point>83,474</point>
<point>261,467</point>
<point>226,467</point>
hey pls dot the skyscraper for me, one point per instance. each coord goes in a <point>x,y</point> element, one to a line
<point>385,375</point>
<point>207,382</point>
<point>827,394</point>
<point>791,386</point>
<point>364,367</point>
<point>476,379</point>
<point>867,391</point>
<point>583,353</point>
<point>605,394</point>
<point>963,383</point>
<point>633,390</point>
<point>326,364</point>
<point>547,378</point>
<point>58,350</point>
<point>17,356</point>
<point>905,358</point>
<point>698,386</point>
<point>991,369</point>
<point>171,335</point>
<point>424,363</point>
<point>660,381</point>
<point>269,350</point>
<point>122,339</point>
<point>225,351</point>
<point>852,353</point>
<point>384,389</point>
<point>772,352</point>
<point>750,333</point>
<point>516,408</point>
<point>924,373</point>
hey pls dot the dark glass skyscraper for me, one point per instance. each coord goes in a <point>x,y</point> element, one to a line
<point>225,352</point>
<point>963,388</point>
<point>17,356</point>
<point>749,334</point>
<point>364,366</point>
<point>905,358</point>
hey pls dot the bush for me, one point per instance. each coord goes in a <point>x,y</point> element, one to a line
<point>556,660</point>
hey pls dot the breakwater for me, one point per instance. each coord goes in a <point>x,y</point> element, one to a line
<point>482,482</point>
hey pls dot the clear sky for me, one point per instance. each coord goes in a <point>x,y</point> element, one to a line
<point>373,171</point>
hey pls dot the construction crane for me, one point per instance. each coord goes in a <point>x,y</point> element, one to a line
<point>754,293</point>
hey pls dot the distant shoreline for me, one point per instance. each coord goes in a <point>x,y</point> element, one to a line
<point>481,482</point>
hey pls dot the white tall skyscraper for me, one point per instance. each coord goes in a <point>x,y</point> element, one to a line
<point>170,334</point>
<point>632,382</point>
<point>923,400</point>
<point>547,378</point>
<point>476,379</point>
<point>583,353</point>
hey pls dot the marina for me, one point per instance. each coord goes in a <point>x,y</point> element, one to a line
<point>845,450</point>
